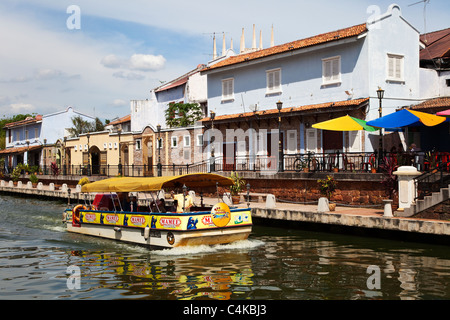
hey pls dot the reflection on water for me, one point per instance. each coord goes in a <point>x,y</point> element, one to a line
<point>36,254</point>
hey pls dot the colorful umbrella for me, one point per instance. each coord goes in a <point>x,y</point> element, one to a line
<point>404,118</point>
<point>345,123</point>
<point>444,113</point>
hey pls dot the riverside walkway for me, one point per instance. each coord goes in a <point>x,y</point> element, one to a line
<point>362,221</point>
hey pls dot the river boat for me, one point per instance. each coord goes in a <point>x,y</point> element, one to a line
<point>156,224</point>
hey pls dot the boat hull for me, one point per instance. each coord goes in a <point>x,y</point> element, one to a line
<point>162,230</point>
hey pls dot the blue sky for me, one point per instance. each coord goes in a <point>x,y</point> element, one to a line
<point>123,49</point>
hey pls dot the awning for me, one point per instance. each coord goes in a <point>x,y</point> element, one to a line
<point>134,184</point>
<point>19,150</point>
<point>345,123</point>
<point>405,118</point>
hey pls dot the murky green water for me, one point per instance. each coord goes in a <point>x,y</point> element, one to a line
<point>40,260</point>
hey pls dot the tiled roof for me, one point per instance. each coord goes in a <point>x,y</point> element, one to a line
<point>121,120</point>
<point>28,120</point>
<point>437,44</point>
<point>294,45</point>
<point>19,150</point>
<point>338,104</point>
<point>442,102</point>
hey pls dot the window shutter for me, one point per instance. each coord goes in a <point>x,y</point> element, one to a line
<point>398,68</point>
<point>311,140</point>
<point>354,141</point>
<point>292,141</point>
<point>335,69</point>
<point>327,71</point>
<point>270,81</point>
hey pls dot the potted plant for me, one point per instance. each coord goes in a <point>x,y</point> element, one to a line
<point>390,179</point>
<point>327,187</point>
<point>16,174</point>
<point>238,185</point>
<point>34,180</point>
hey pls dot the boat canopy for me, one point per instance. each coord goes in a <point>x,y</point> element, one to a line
<point>134,184</point>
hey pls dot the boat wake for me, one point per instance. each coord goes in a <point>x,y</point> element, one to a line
<point>202,249</point>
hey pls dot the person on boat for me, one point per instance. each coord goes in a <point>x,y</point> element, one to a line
<point>133,204</point>
<point>124,201</point>
<point>185,204</point>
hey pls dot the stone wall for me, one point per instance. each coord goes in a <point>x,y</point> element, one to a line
<point>440,211</point>
<point>353,189</point>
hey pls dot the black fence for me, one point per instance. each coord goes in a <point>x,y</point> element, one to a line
<point>312,162</point>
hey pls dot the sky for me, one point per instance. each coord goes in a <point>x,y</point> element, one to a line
<point>97,55</point>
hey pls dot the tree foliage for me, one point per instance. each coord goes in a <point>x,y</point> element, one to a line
<point>5,120</point>
<point>81,126</point>
<point>183,114</point>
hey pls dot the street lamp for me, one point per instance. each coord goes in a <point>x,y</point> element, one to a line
<point>119,132</point>
<point>88,135</point>
<point>158,145</point>
<point>212,164</point>
<point>380,94</point>
<point>280,142</point>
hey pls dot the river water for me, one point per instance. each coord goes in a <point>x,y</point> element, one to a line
<point>40,260</point>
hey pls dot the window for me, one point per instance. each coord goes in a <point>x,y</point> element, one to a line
<point>227,89</point>
<point>447,82</point>
<point>395,67</point>
<point>199,140</point>
<point>331,70</point>
<point>187,141</point>
<point>311,140</point>
<point>174,142</point>
<point>273,79</point>
<point>291,141</point>
<point>35,133</point>
<point>159,143</point>
<point>138,144</point>
<point>26,135</point>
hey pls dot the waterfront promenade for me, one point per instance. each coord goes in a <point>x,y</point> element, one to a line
<point>359,220</point>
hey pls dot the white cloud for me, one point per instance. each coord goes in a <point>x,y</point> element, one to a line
<point>112,61</point>
<point>128,75</point>
<point>22,108</point>
<point>140,62</point>
<point>147,62</point>
<point>119,103</point>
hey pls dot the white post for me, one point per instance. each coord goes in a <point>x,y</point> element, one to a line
<point>406,188</point>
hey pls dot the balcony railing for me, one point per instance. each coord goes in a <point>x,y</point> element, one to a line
<point>312,162</point>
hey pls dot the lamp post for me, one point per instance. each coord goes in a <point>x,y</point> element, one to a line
<point>280,141</point>
<point>380,94</point>
<point>212,165</point>
<point>44,160</point>
<point>158,145</point>
<point>88,135</point>
<point>119,132</point>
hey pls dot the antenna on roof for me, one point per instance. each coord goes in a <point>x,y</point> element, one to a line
<point>413,4</point>
<point>425,2</point>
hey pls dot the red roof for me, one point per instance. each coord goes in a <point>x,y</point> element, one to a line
<point>19,149</point>
<point>442,102</point>
<point>437,45</point>
<point>121,120</point>
<point>28,120</point>
<point>294,45</point>
<point>311,107</point>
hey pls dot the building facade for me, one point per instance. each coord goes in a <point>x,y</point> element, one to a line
<point>317,79</point>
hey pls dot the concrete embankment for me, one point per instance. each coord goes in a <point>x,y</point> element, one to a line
<point>350,220</point>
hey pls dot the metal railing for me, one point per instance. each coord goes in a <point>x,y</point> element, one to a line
<point>313,162</point>
<point>432,181</point>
